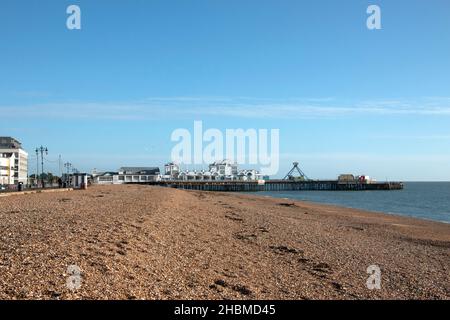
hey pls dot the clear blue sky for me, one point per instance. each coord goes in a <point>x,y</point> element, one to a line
<point>346,99</point>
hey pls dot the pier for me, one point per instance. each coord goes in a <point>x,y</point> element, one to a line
<point>277,185</point>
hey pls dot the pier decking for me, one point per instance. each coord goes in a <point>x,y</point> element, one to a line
<point>277,185</point>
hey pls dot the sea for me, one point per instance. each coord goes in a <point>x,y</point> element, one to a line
<point>424,200</point>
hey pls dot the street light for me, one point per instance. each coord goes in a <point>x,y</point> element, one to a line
<point>67,165</point>
<point>41,150</point>
<point>37,168</point>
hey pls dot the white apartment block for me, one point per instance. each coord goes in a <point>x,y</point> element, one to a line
<point>16,158</point>
<point>7,161</point>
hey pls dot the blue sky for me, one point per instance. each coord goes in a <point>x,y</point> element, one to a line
<point>345,98</point>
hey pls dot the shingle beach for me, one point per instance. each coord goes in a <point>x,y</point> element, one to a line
<point>142,242</point>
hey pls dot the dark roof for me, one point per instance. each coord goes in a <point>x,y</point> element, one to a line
<point>8,142</point>
<point>108,173</point>
<point>140,170</point>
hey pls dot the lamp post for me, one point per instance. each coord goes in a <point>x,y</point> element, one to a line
<point>67,165</point>
<point>37,168</point>
<point>42,149</point>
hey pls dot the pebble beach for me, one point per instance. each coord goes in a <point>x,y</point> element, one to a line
<point>142,242</point>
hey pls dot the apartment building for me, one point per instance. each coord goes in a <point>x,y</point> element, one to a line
<point>7,162</point>
<point>14,161</point>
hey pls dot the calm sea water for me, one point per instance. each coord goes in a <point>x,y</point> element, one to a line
<point>425,200</point>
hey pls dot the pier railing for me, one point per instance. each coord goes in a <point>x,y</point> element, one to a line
<point>276,185</point>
